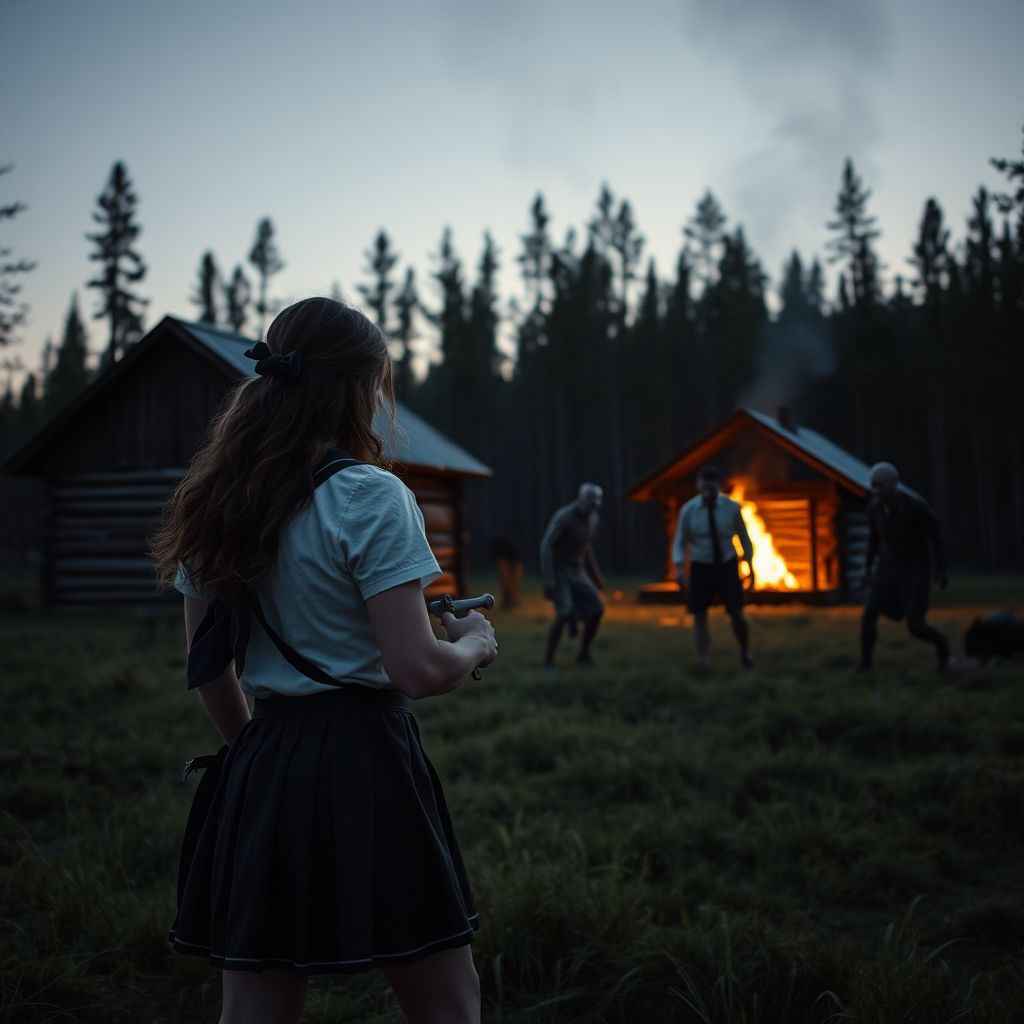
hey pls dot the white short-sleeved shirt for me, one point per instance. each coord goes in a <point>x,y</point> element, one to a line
<point>362,534</point>
<point>694,526</point>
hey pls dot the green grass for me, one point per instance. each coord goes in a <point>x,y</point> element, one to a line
<point>648,841</point>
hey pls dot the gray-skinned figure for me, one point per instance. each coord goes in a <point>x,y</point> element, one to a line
<point>570,573</point>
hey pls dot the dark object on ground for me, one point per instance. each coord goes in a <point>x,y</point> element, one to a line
<point>999,635</point>
<point>510,570</point>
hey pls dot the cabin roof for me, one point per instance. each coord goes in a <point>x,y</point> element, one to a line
<point>418,444</point>
<point>804,443</point>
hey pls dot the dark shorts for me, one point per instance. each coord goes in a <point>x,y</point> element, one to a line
<point>708,580</point>
<point>575,593</point>
<point>900,591</point>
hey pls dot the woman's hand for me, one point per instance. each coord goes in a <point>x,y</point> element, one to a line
<point>473,624</point>
<point>417,662</point>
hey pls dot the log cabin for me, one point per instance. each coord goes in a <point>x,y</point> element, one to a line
<point>112,457</point>
<point>804,502</point>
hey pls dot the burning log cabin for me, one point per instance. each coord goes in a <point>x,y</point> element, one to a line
<point>803,500</point>
<point>113,456</point>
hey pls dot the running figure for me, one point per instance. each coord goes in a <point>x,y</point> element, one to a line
<point>903,526</point>
<point>570,573</point>
<point>707,525</point>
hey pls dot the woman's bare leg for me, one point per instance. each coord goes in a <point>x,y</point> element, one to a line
<point>439,989</point>
<point>273,997</point>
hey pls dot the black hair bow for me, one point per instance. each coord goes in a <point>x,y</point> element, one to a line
<point>273,364</point>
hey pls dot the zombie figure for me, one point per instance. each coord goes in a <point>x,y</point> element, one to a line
<point>897,570</point>
<point>706,527</point>
<point>570,573</point>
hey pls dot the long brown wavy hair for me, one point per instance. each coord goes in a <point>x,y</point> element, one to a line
<point>256,470</point>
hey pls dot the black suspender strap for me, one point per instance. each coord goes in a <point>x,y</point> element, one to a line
<point>333,462</point>
<point>223,634</point>
<point>292,656</point>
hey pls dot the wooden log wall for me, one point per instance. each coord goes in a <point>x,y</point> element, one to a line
<point>854,532</point>
<point>788,520</point>
<point>97,535</point>
<point>442,501</point>
<point>828,560</point>
<point>99,523</point>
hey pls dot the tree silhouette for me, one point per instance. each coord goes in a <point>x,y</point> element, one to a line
<point>380,261</point>
<point>206,289</point>
<point>1014,171</point>
<point>406,304</point>
<point>70,374</point>
<point>706,229</point>
<point>855,231</point>
<point>122,265</point>
<point>617,233</point>
<point>451,320</point>
<point>267,261</point>
<point>860,333</point>
<point>12,311</point>
<point>535,260</point>
<point>237,295</point>
<point>931,260</point>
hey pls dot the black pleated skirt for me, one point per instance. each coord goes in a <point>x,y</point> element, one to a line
<point>322,844</point>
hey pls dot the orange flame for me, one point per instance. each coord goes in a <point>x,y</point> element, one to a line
<point>770,569</point>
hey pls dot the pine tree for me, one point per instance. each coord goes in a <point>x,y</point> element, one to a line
<point>482,329</point>
<point>733,311</point>
<point>477,382</point>
<point>1010,331</point>
<point>380,261</point>
<point>981,366</point>
<point>70,374</point>
<point>207,288</point>
<point>529,453</point>
<point>237,295</point>
<point>796,348</point>
<point>267,261</point>
<point>1014,171</point>
<point>122,266</point>
<point>681,353</point>
<point>706,229</point>
<point>12,310</point>
<point>406,304</point>
<point>29,406</point>
<point>451,320</point>
<point>647,372</point>
<point>931,261</point>
<point>8,420</point>
<point>616,233</point>
<point>855,232</point>
<point>535,259</point>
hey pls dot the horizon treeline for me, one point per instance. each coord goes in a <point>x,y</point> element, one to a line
<point>616,367</point>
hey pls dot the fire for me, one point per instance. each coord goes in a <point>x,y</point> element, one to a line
<point>770,570</point>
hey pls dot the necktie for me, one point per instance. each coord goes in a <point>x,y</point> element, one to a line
<point>716,543</point>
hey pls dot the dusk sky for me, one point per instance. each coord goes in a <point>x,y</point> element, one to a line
<point>338,119</point>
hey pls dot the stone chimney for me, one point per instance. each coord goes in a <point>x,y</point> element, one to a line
<point>787,418</point>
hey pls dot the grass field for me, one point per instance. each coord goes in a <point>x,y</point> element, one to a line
<point>649,841</point>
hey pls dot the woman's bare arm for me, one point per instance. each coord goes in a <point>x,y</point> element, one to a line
<point>417,662</point>
<point>223,700</point>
